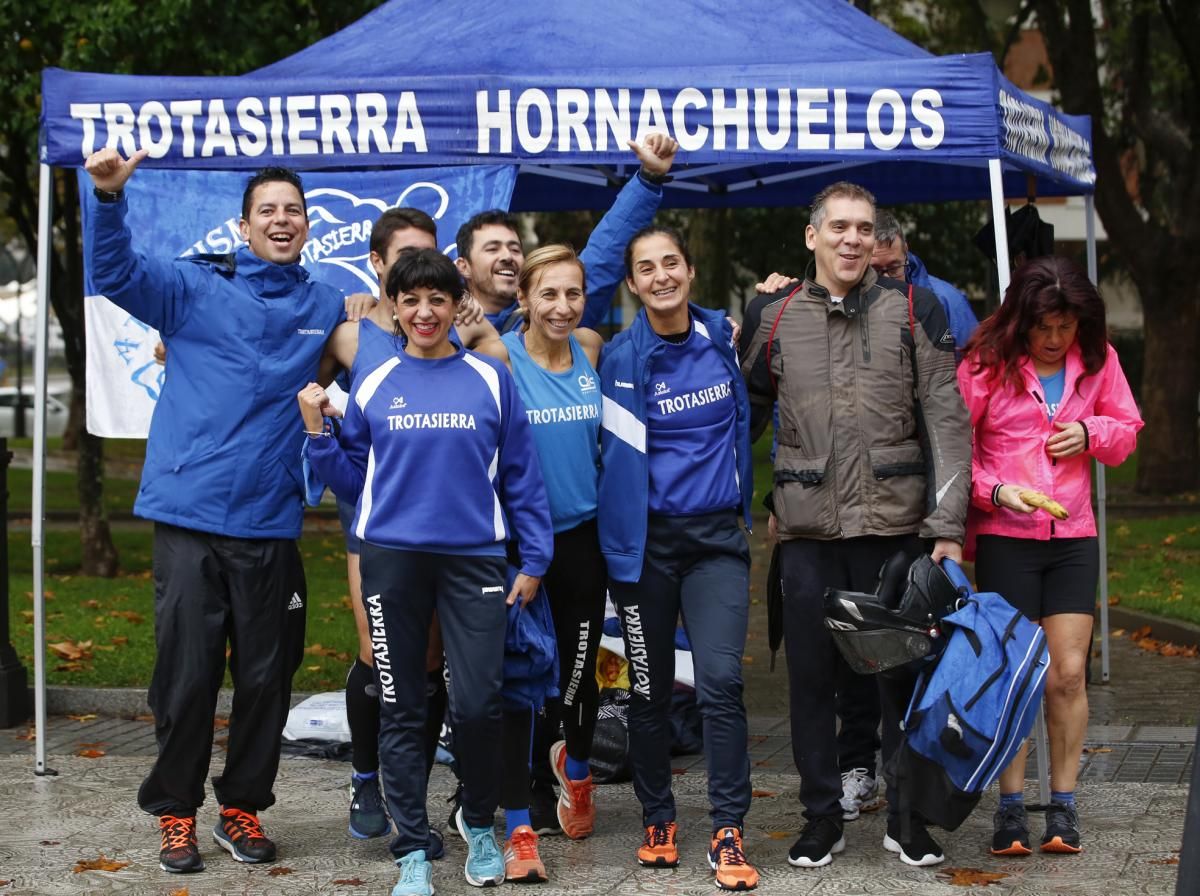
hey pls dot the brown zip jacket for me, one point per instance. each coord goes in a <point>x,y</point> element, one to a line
<point>849,460</point>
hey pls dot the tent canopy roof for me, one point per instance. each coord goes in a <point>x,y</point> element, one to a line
<point>779,100</point>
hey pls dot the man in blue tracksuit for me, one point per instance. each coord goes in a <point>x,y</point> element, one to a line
<point>490,254</point>
<point>221,481</point>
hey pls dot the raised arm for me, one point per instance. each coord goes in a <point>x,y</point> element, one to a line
<point>634,208</point>
<point>150,289</point>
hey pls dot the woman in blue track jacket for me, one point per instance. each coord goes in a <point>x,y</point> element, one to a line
<point>437,451</point>
<point>675,472</point>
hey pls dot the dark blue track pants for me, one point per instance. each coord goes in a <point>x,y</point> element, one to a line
<point>401,589</point>
<point>697,567</point>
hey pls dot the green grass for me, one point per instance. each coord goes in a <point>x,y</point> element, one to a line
<point>62,495</point>
<point>117,615</point>
<point>1154,565</point>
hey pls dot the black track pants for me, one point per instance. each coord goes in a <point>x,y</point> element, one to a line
<point>401,590</point>
<point>809,567</point>
<point>211,591</point>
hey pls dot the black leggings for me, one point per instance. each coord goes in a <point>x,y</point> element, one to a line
<point>1040,578</point>
<point>576,583</point>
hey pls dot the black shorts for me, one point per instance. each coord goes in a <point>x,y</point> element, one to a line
<point>1040,578</point>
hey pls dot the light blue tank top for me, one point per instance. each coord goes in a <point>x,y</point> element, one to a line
<point>564,411</point>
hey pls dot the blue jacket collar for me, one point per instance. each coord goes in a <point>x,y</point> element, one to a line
<point>267,277</point>
<point>918,274</point>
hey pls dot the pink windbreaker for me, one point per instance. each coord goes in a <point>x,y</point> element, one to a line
<point>1010,431</point>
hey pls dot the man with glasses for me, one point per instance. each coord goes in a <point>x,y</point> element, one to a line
<point>893,259</point>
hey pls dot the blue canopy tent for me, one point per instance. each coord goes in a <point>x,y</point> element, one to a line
<point>769,102</point>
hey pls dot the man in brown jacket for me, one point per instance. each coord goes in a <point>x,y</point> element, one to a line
<point>840,353</point>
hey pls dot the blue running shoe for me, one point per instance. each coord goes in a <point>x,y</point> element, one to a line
<point>485,864</point>
<point>368,817</point>
<point>416,875</point>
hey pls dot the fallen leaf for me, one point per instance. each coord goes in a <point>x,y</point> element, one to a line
<point>182,892</point>
<point>90,753</point>
<point>762,793</point>
<point>27,734</point>
<point>91,604</point>
<point>349,882</point>
<point>779,835</point>
<point>220,722</point>
<point>1170,539</point>
<point>970,877</point>
<point>1097,749</point>
<point>312,668</point>
<point>70,650</point>
<point>128,616</point>
<point>103,863</point>
<point>84,717</point>
<point>1139,633</point>
<point>1114,600</point>
<point>1117,633</point>
<point>748,660</point>
<point>1173,860</point>
<point>679,771</point>
<point>279,871</point>
<point>120,640</point>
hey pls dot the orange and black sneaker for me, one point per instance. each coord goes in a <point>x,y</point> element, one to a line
<point>725,857</point>
<point>1011,831</point>
<point>522,864</point>
<point>576,810</point>
<point>658,850</point>
<point>239,832</point>
<point>180,854</point>
<point>1062,830</point>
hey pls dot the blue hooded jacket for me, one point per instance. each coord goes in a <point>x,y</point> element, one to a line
<point>625,372</point>
<point>958,310</point>
<point>243,336</point>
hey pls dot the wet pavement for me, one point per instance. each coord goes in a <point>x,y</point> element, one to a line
<point>1132,798</point>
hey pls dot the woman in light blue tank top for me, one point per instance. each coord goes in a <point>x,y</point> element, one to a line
<point>553,362</point>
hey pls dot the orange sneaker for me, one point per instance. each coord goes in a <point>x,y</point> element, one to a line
<point>521,860</point>
<point>658,850</point>
<point>725,857</point>
<point>576,811</point>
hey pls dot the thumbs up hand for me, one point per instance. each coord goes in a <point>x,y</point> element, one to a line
<point>109,171</point>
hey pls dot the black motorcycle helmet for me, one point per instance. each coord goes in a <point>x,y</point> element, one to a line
<point>900,623</point>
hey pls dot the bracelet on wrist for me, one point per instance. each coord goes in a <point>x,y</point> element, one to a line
<point>656,179</point>
<point>107,196</point>
<point>996,494</point>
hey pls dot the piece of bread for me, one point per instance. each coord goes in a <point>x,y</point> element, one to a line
<point>1046,503</point>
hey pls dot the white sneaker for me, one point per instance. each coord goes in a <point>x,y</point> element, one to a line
<point>859,791</point>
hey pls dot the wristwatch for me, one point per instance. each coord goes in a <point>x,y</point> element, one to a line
<point>106,196</point>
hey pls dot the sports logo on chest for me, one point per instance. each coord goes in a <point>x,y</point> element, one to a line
<point>686,401</point>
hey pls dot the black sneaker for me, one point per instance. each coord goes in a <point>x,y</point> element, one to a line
<point>1011,837</point>
<point>240,833</point>
<point>368,817</point>
<point>918,850</point>
<point>543,809</point>
<point>455,802</point>
<point>819,840</point>
<point>437,844</point>
<point>1062,829</point>
<point>180,853</point>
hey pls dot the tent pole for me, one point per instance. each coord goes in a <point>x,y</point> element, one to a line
<point>37,522</point>
<point>996,177</point>
<point>1089,202</point>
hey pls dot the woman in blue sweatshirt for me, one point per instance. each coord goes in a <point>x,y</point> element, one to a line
<point>675,471</point>
<point>553,362</point>
<point>437,452</point>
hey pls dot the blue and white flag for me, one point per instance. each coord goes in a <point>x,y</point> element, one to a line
<point>180,213</point>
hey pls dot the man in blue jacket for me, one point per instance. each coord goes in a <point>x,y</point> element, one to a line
<point>893,258</point>
<point>490,253</point>
<point>244,332</point>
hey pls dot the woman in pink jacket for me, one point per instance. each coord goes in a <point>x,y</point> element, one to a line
<point>1046,394</point>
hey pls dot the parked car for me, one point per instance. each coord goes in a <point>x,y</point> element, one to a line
<point>56,412</point>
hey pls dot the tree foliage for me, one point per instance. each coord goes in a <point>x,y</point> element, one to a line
<point>164,37</point>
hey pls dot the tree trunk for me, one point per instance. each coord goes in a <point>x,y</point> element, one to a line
<point>99,554</point>
<point>1169,461</point>
<point>708,242</point>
